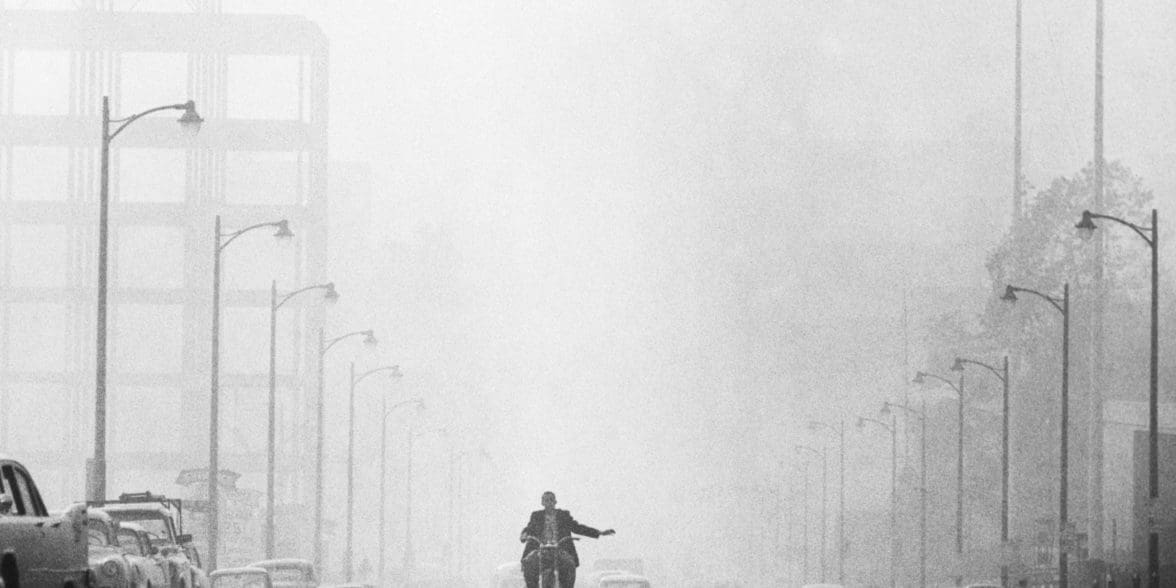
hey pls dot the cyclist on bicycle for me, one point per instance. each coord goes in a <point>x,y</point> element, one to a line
<point>552,526</point>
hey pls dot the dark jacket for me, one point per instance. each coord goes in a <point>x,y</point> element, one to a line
<point>565,525</point>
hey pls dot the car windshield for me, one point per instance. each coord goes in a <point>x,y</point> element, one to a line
<point>155,525</point>
<point>239,581</point>
<point>286,575</point>
<point>129,541</point>
<point>98,532</point>
<point>97,536</point>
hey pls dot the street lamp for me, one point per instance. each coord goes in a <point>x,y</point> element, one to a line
<point>1003,376</point>
<point>840,431</point>
<point>190,120</point>
<point>824,499</point>
<point>922,415</point>
<point>325,345</point>
<point>385,410</point>
<point>804,524</point>
<point>893,430</point>
<point>921,378</point>
<point>457,460</point>
<point>408,554</point>
<point>1086,228</point>
<point>1062,305</point>
<point>222,241</point>
<point>330,296</point>
<point>394,371</point>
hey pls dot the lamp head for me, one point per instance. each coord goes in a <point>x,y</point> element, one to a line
<point>369,338</point>
<point>1086,226</point>
<point>283,233</point>
<point>1010,294</point>
<point>330,295</point>
<point>958,366</point>
<point>885,409</point>
<point>190,121</point>
<point>920,377</point>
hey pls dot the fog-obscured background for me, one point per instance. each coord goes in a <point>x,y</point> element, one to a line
<point>631,249</point>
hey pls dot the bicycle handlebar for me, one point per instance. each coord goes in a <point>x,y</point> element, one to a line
<point>541,544</point>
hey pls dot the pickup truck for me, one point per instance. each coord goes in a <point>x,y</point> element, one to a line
<point>37,549</point>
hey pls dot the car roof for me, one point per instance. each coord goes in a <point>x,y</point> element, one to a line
<point>239,571</point>
<point>623,577</point>
<point>139,507</point>
<point>285,562</point>
<point>99,514</point>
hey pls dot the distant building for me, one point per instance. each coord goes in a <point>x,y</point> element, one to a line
<point>260,82</point>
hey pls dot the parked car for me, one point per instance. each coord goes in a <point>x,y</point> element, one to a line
<point>109,565</point>
<point>622,580</point>
<point>245,577</point>
<point>162,519</point>
<point>136,543</point>
<point>509,575</point>
<point>289,572</point>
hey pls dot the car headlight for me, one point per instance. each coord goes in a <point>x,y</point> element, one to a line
<point>110,568</point>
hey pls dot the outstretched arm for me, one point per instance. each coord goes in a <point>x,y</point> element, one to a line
<point>585,530</point>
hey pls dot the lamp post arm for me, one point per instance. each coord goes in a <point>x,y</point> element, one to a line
<point>820,453</point>
<point>1139,229</point>
<point>233,236</point>
<point>130,119</point>
<point>331,343</point>
<point>945,381</point>
<point>817,424</point>
<point>877,422</point>
<point>393,408</point>
<point>287,297</point>
<point>1050,299</point>
<point>387,368</point>
<point>994,371</point>
<point>910,410</point>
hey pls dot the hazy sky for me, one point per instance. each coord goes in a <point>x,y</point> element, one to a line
<point>684,228</point>
<point>571,149</point>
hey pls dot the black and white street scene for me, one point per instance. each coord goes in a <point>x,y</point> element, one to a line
<point>596,293</point>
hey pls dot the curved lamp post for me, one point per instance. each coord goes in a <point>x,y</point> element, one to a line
<point>223,240</point>
<point>394,371</point>
<point>457,461</point>
<point>385,410</point>
<point>325,345</point>
<point>804,517</point>
<point>824,498</point>
<point>408,553</point>
<point>189,121</point>
<point>1003,375</point>
<point>330,296</point>
<point>921,378</point>
<point>1086,229</point>
<point>1062,305</point>
<point>922,416</point>
<point>840,432</point>
<point>893,430</point>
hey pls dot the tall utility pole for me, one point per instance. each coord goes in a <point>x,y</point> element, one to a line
<point>1096,398</point>
<point>1018,205</point>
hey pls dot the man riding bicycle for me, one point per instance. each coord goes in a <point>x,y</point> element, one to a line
<point>552,526</point>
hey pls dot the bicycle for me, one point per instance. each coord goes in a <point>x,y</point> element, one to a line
<point>548,554</point>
